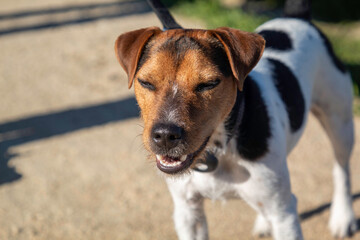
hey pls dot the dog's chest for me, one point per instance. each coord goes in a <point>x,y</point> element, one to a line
<point>224,181</point>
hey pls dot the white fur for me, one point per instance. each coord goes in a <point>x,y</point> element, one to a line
<point>264,184</point>
<point>262,226</point>
<point>342,216</point>
<point>175,88</point>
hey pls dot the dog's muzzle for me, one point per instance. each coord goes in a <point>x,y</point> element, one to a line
<point>168,145</point>
<point>167,136</point>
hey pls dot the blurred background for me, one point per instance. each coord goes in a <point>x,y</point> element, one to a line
<point>72,165</point>
<point>338,19</point>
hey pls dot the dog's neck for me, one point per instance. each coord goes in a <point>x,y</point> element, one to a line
<point>233,121</point>
<point>231,125</point>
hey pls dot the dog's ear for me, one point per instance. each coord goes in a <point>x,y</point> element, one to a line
<point>243,50</point>
<point>129,46</point>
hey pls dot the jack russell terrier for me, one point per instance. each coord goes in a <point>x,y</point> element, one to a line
<point>223,108</point>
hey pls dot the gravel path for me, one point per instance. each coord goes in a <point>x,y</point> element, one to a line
<point>72,165</point>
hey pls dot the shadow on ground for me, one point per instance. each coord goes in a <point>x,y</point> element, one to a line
<point>308,214</point>
<point>57,123</point>
<point>84,14</point>
<point>52,124</point>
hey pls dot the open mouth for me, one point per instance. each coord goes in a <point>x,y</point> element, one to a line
<point>173,165</point>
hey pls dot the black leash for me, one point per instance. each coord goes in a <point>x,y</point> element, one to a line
<point>163,14</point>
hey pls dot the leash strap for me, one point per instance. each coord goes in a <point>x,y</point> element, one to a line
<point>163,14</point>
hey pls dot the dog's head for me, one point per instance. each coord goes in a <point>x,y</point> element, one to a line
<point>186,84</point>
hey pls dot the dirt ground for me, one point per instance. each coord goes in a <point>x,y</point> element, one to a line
<point>72,165</point>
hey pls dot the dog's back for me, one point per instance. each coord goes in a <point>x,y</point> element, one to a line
<point>306,74</point>
<point>298,73</point>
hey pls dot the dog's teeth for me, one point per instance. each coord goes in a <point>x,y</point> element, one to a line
<point>163,160</point>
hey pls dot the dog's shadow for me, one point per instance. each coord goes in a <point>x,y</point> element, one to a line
<point>308,214</point>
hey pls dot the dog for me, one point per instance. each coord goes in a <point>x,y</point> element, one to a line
<point>223,108</point>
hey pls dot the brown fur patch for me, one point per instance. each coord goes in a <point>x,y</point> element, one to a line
<point>175,99</point>
<point>175,63</point>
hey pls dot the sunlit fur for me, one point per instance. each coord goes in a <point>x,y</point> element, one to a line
<point>175,99</point>
<point>264,183</point>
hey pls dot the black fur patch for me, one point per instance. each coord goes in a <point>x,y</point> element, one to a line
<point>330,50</point>
<point>145,54</point>
<point>232,121</point>
<point>254,129</point>
<point>290,92</point>
<point>278,40</point>
<point>219,58</point>
<point>179,46</point>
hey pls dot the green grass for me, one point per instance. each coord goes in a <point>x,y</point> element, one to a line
<point>346,46</point>
<point>214,15</point>
<point>356,106</point>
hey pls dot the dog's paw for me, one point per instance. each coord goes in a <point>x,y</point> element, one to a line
<point>262,227</point>
<point>342,222</point>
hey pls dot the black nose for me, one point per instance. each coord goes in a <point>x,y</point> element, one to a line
<point>167,136</point>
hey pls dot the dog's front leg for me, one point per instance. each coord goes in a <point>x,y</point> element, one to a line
<point>268,191</point>
<point>190,220</point>
<point>285,221</point>
<point>189,216</point>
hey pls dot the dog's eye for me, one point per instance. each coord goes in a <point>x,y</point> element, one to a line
<point>207,86</point>
<point>146,84</point>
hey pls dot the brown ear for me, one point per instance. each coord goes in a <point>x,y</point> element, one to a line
<point>243,50</point>
<point>129,46</point>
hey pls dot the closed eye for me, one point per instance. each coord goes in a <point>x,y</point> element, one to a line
<point>207,85</point>
<point>146,84</point>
